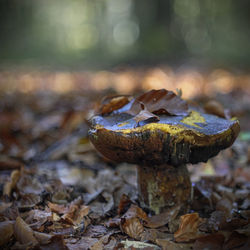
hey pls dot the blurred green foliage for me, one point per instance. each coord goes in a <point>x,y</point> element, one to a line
<point>94,33</point>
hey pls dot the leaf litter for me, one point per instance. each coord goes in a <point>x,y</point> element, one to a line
<point>57,192</point>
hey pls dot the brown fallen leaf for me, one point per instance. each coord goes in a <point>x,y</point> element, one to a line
<point>159,102</point>
<point>146,116</point>
<point>72,213</point>
<point>111,244</point>
<point>225,205</point>
<point>235,241</point>
<point>6,231</point>
<point>131,222</point>
<point>135,211</point>
<point>219,221</point>
<point>151,235</point>
<point>132,227</point>
<point>112,103</point>
<point>171,245</point>
<point>123,204</point>
<point>163,218</point>
<point>104,240</point>
<point>76,214</point>
<point>36,218</point>
<point>10,185</point>
<point>7,164</point>
<point>244,230</point>
<point>56,208</point>
<point>56,242</point>
<point>43,238</point>
<point>83,243</point>
<point>4,206</point>
<point>9,211</point>
<point>188,229</point>
<point>217,218</point>
<point>209,242</point>
<point>113,222</point>
<point>215,108</point>
<point>23,233</point>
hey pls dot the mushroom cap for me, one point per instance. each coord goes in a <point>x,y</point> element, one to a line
<point>174,140</point>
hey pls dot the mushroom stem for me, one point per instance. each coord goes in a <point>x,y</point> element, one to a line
<point>163,186</point>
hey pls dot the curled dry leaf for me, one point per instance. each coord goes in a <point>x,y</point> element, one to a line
<point>76,214</point>
<point>73,213</point>
<point>23,233</point>
<point>132,227</point>
<point>112,103</point>
<point>56,208</point>
<point>146,116</point>
<point>163,218</point>
<point>215,108</point>
<point>135,211</point>
<point>10,185</point>
<point>131,222</point>
<point>123,204</point>
<point>160,101</point>
<point>188,229</point>
<point>6,231</point>
<point>43,238</point>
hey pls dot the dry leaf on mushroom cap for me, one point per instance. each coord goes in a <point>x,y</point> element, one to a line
<point>159,101</point>
<point>112,103</point>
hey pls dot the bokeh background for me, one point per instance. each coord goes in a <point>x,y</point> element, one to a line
<point>94,34</point>
<point>124,46</point>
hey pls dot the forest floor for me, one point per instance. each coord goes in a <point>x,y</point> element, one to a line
<point>57,192</point>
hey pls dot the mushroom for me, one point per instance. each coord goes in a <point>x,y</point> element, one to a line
<point>161,145</point>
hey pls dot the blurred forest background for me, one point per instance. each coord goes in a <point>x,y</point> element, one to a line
<point>61,34</point>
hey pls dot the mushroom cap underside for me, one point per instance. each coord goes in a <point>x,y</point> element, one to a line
<point>175,140</point>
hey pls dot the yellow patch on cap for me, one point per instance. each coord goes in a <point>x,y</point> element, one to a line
<point>193,118</point>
